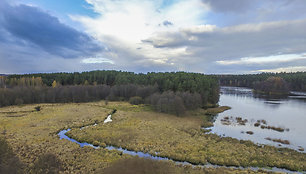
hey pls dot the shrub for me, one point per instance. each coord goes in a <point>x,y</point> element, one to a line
<point>167,102</point>
<point>138,165</point>
<point>136,100</point>
<point>38,108</point>
<point>47,164</point>
<point>9,162</point>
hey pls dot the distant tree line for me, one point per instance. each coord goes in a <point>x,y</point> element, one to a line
<point>273,85</point>
<point>206,86</point>
<point>21,82</point>
<point>2,81</point>
<point>167,102</point>
<point>296,81</point>
<point>189,90</point>
<point>167,92</point>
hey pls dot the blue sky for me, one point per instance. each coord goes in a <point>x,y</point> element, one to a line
<point>64,7</point>
<point>207,36</point>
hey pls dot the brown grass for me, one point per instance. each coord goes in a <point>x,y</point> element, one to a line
<point>278,140</point>
<point>181,138</point>
<point>133,127</point>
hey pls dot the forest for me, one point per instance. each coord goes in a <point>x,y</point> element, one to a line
<point>296,81</point>
<point>172,92</point>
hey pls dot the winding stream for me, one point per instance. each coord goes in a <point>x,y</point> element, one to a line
<point>62,135</point>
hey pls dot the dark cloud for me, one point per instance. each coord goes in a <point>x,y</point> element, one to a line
<point>31,40</point>
<point>206,46</point>
<point>35,26</point>
<point>251,6</point>
<point>286,37</point>
<point>225,6</point>
<point>235,12</point>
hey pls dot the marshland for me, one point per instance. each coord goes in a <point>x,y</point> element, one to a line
<point>94,127</point>
<point>152,86</point>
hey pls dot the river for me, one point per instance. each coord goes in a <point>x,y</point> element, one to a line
<point>236,98</point>
<point>287,113</point>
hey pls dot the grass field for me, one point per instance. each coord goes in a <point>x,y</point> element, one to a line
<point>31,134</point>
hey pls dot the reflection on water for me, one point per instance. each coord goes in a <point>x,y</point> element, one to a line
<point>62,135</point>
<point>287,112</point>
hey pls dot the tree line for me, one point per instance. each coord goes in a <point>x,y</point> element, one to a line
<point>273,85</point>
<point>2,81</point>
<point>206,86</point>
<point>296,81</point>
<point>167,102</point>
<point>173,92</point>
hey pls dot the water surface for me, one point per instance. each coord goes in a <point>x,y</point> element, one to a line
<point>288,112</point>
<point>62,135</point>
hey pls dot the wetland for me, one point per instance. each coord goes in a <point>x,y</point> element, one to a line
<point>268,117</point>
<point>95,137</point>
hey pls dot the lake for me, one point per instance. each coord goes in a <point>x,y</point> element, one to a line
<point>287,114</point>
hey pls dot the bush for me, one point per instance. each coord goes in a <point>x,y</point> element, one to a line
<point>167,102</point>
<point>136,100</point>
<point>47,164</point>
<point>9,162</point>
<point>38,108</point>
<point>138,165</point>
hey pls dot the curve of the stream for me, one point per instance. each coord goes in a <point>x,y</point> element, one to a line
<point>62,135</point>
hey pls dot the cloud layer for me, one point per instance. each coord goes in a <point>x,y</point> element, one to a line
<point>247,40</point>
<point>30,35</point>
<point>210,36</point>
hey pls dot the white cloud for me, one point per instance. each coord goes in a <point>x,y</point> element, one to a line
<point>284,69</point>
<point>124,24</point>
<point>96,60</point>
<point>209,36</point>
<point>264,60</point>
<point>262,45</point>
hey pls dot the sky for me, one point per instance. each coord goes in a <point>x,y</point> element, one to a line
<point>205,36</point>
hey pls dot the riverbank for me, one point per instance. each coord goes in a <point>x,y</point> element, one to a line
<point>36,133</point>
<point>182,139</point>
<point>142,157</point>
